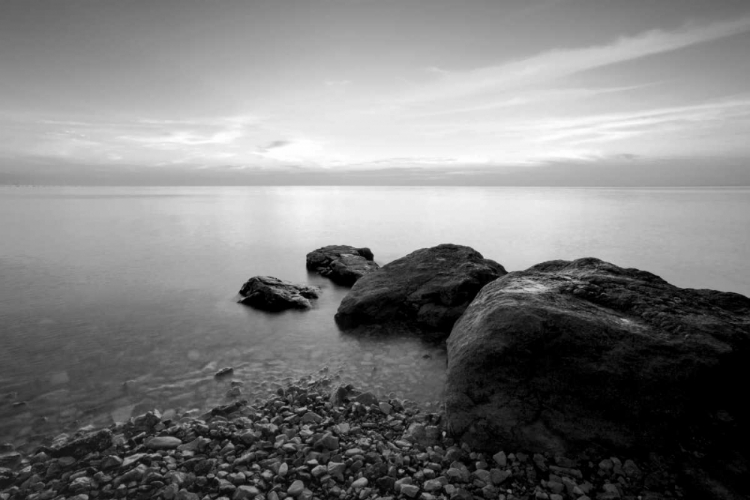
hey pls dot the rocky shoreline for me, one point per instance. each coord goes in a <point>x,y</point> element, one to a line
<point>553,375</point>
<point>313,439</point>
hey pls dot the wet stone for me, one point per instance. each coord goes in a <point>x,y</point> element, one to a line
<point>163,443</point>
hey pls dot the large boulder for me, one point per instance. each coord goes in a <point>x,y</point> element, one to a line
<point>569,355</point>
<point>272,294</point>
<point>342,264</point>
<point>428,289</point>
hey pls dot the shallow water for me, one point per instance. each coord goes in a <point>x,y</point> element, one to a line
<point>116,300</point>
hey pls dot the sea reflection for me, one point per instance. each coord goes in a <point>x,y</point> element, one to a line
<point>115,301</point>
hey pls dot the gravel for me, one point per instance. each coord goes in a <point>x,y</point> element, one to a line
<point>312,440</point>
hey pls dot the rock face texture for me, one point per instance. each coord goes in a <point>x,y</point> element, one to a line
<point>569,354</point>
<point>342,264</point>
<point>272,294</point>
<point>429,289</point>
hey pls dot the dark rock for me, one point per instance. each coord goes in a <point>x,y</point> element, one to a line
<point>10,459</point>
<point>342,393</point>
<point>228,409</point>
<point>272,294</point>
<point>342,264</point>
<point>145,422</point>
<point>82,446</point>
<point>367,399</point>
<point>224,372</point>
<point>566,355</point>
<point>429,289</point>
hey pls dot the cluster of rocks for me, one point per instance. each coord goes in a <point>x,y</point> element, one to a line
<point>569,355</point>
<point>312,442</point>
<point>342,264</point>
<point>572,354</point>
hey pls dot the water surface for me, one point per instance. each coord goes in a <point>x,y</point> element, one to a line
<point>116,300</point>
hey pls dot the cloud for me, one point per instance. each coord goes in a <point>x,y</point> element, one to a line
<point>610,127</point>
<point>406,162</point>
<point>309,151</point>
<point>533,97</point>
<point>273,145</point>
<point>192,133</point>
<point>564,62</point>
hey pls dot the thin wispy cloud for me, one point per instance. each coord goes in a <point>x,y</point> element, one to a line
<point>621,125</point>
<point>564,62</point>
<point>533,97</point>
<point>193,132</point>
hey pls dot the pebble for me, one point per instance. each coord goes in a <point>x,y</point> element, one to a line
<point>359,483</point>
<point>283,469</point>
<point>245,492</point>
<point>409,490</point>
<point>296,488</point>
<point>432,485</point>
<point>163,443</point>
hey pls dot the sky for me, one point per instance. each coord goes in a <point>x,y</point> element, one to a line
<point>488,92</point>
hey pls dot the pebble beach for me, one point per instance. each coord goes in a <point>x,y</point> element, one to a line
<point>314,439</point>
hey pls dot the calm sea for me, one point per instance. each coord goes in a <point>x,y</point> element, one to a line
<point>117,300</point>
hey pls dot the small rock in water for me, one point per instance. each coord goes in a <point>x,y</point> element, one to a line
<point>234,392</point>
<point>224,372</point>
<point>272,294</point>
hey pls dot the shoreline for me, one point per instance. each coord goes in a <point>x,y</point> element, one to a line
<point>30,418</point>
<point>312,439</point>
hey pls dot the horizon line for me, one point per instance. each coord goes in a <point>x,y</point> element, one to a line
<point>378,185</point>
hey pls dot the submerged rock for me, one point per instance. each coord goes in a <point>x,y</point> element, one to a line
<point>88,443</point>
<point>272,294</point>
<point>429,288</point>
<point>566,355</point>
<point>342,264</point>
<point>224,372</point>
